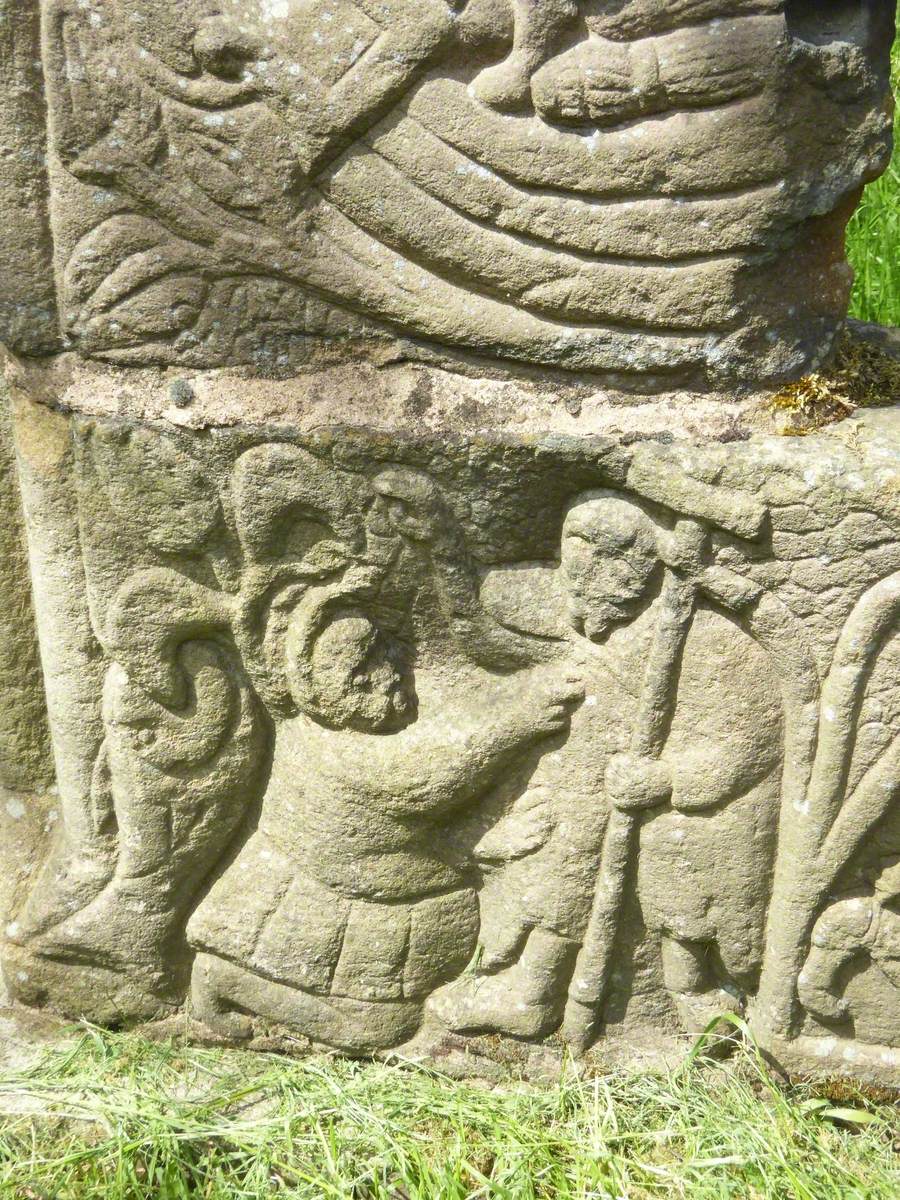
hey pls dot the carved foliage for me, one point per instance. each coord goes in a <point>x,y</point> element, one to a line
<point>364,159</point>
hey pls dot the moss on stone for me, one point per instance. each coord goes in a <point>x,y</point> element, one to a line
<point>861,375</point>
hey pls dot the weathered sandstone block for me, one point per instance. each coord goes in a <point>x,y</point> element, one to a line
<point>335,702</point>
<point>438,637</point>
<point>652,192</point>
<point>26,765</point>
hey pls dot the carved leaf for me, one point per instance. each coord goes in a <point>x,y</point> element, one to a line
<point>129,280</point>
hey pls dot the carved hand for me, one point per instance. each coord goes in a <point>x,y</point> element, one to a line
<point>522,831</point>
<point>556,695</point>
<point>634,782</point>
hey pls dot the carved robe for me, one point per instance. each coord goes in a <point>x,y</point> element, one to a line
<point>705,863</point>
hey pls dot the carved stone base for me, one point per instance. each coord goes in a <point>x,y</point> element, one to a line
<point>515,716</point>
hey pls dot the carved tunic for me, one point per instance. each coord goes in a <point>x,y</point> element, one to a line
<point>718,839</point>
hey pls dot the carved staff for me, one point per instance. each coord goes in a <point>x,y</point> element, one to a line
<point>654,717</point>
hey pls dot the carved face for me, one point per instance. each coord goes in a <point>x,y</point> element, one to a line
<point>610,563</point>
<point>357,680</point>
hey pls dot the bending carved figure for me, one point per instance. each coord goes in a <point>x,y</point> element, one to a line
<point>853,933</point>
<point>363,912</point>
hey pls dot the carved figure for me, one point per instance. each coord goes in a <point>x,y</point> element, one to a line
<point>856,933</point>
<point>179,785</point>
<point>173,783</point>
<point>604,82</point>
<point>832,803</point>
<point>183,760</point>
<point>399,677</point>
<point>362,912</point>
<point>704,771</point>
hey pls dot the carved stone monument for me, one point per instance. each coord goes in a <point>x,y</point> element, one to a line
<point>427,638</point>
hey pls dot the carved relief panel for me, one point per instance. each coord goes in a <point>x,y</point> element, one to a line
<point>405,686</point>
<point>650,193</point>
<point>398,743</point>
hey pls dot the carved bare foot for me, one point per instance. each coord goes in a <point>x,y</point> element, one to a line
<point>63,888</point>
<point>493,1004</point>
<point>211,1006</point>
<point>600,83</point>
<point>823,1004</point>
<point>84,988</point>
<point>581,1026</point>
<point>506,86</point>
<point>525,1001</point>
<point>538,25</point>
<point>115,929</point>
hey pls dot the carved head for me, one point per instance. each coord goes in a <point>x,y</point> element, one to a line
<point>344,672</point>
<point>611,565</point>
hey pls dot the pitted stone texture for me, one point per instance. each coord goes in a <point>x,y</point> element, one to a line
<point>650,194</point>
<point>27,806</point>
<point>392,738</point>
<point>29,321</point>
<point>25,763</point>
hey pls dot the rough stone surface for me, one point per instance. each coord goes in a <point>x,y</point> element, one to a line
<point>334,706</point>
<point>26,764</point>
<point>442,648</point>
<point>28,309</point>
<point>654,194</point>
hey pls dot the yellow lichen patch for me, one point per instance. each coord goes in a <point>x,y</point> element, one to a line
<point>861,375</point>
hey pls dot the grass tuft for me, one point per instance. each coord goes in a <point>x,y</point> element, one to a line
<point>873,238</point>
<point>120,1118</point>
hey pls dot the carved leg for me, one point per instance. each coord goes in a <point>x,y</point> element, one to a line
<point>81,859</point>
<point>689,981</point>
<point>524,1001</point>
<point>221,991</point>
<point>171,827</point>
<point>538,23</point>
<point>504,927</point>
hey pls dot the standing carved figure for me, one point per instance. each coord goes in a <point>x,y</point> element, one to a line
<point>711,796</point>
<point>705,809</point>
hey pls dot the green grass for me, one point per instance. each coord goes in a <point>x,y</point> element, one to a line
<point>126,1118</point>
<point>873,239</point>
